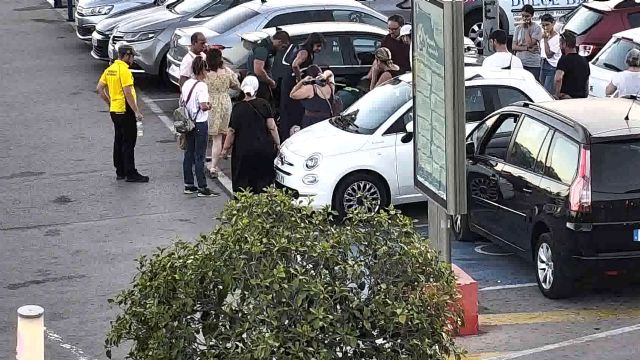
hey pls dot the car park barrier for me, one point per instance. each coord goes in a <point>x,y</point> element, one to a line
<point>30,334</point>
<point>468,289</point>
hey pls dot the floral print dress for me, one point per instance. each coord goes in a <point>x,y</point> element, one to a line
<point>219,82</point>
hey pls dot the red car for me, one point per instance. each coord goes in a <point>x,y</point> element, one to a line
<point>595,21</point>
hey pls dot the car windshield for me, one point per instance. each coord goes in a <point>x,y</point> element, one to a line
<point>583,20</point>
<point>612,57</point>
<point>608,175</point>
<point>229,19</point>
<point>187,7</point>
<point>366,115</point>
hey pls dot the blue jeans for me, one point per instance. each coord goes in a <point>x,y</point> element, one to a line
<point>194,154</point>
<point>547,74</point>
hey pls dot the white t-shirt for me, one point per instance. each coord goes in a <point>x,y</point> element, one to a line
<point>200,95</point>
<point>626,82</point>
<point>187,62</point>
<point>501,60</point>
<point>554,46</point>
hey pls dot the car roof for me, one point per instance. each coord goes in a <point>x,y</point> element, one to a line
<point>610,5</point>
<point>321,27</point>
<point>631,34</point>
<point>601,117</point>
<point>479,72</point>
<point>265,6</point>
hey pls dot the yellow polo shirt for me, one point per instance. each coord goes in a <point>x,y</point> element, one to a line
<point>116,77</point>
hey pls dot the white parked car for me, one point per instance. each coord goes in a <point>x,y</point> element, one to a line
<point>366,153</point>
<point>611,59</point>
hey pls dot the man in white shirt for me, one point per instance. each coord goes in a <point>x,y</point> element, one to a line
<point>627,82</point>
<point>502,58</point>
<point>198,44</point>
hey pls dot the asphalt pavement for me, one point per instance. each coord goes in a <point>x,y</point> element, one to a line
<point>70,232</point>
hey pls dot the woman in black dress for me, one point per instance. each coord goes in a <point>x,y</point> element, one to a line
<point>291,111</point>
<point>253,135</point>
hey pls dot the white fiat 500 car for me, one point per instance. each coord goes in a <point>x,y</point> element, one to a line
<point>365,155</point>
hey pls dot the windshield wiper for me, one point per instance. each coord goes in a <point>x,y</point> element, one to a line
<point>611,67</point>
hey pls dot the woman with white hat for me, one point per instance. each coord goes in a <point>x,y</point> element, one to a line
<point>253,136</point>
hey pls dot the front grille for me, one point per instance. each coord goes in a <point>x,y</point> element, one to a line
<point>86,30</point>
<point>116,37</point>
<point>101,48</point>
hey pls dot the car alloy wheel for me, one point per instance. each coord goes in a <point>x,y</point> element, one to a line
<point>362,194</point>
<point>545,266</point>
<point>476,34</point>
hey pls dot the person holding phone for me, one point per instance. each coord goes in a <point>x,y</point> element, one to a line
<point>526,41</point>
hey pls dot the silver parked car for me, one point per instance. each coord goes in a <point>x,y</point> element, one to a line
<point>90,12</point>
<point>150,33</point>
<point>226,28</point>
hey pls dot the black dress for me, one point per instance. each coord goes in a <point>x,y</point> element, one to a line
<point>253,149</point>
<point>291,111</point>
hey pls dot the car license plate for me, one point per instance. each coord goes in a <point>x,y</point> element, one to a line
<point>636,235</point>
<point>279,178</point>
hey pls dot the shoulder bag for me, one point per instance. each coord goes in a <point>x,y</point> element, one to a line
<point>182,120</point>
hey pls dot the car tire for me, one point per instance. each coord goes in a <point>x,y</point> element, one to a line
<point>551,269</point>
<point>461,229</point>
<point>351,190</point>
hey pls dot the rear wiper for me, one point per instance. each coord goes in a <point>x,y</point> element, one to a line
<point>611,66</point>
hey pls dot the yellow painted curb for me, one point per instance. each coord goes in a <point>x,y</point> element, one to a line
<point>581,315</point>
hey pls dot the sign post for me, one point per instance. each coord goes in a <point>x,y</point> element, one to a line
<point>490,22</point>
<point>438,112</point>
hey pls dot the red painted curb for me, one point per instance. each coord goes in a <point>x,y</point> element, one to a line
<point>468,289</point>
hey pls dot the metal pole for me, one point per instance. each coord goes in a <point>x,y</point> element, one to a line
<point>30,335</point>
<point>440,231</point>
<point>70,10</point>
<point>490,22</point>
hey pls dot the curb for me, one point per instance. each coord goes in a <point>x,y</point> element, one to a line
<point>468,289</point>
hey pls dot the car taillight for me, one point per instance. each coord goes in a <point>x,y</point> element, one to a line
<point>580,192</point>
<point>585,49</point>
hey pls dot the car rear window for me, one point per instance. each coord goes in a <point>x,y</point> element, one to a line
<point>583,20</point>
<point>615,167</point>
<point>612,57</point>
<point>230,19</point>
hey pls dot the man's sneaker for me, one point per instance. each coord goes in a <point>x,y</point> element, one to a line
<point>138,178</point>
<point>206,192</point>
<point>190,189</point>
<point>120,177</point>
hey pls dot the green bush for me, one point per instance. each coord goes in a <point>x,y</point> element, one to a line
<point>277,281</point>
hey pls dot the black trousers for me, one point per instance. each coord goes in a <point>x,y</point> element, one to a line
<point>124,142</point>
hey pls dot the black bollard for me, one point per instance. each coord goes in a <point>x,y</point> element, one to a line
<point>69,10</point>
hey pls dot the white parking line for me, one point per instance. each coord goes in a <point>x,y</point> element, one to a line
<point>160,100</point>
<point>580,340</point>
<point>502,287</point>
<point>79,354</point>
<point>222,178</point>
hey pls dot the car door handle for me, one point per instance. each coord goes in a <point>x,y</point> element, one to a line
<point>527,191</point>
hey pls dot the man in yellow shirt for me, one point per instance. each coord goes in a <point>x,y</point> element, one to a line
<point>115,87</point>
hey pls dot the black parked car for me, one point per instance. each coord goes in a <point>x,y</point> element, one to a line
<point>559,183</point>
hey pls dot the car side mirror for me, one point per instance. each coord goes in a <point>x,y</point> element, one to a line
<point>470,148</point>
<point>409,127</point>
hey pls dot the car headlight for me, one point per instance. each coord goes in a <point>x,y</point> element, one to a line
<point>142,36</point>
<point>312,161</point>
<point>310,179</point>
<point>97,10</point>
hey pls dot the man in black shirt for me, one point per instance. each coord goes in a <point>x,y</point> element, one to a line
<point>260,62</point>
<point>572,72</point>
<point>394,42</point>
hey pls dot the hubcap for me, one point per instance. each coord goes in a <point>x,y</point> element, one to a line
<point>362,194</point>
<point>475,34</point>
<point>545,266</point>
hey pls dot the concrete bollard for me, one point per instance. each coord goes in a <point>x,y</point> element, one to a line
<point>468,289</point>
<point>30,344</point>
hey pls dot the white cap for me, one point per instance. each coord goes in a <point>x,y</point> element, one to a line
<point>405,30</point>
<point>250,85</point>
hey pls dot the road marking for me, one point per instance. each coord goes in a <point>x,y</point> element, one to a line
<point>155,109</point>
<point>580,340</point>
<point>166,99</point>
<point>580,315</point>
<point>479,250</point>
<point>481,356</point>
<point>158,112</point>
<point>79,354</point>
<point>502,287</point>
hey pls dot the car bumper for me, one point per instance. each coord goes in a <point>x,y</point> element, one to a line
<point>86,25</point>
<point>173,69</point>
<point>146,58</point>
<point>289,175</point>
<point>100,46</point>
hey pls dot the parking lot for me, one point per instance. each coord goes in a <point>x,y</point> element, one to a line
<point>71,259</point>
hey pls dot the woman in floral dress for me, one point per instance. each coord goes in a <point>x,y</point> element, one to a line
<point>220,80</point>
